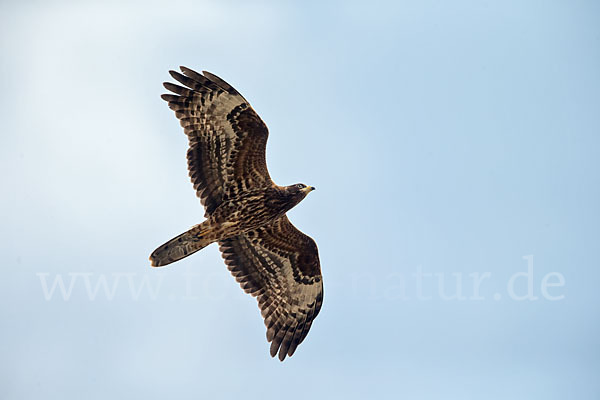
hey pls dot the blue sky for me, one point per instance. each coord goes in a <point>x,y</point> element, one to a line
<point>455,149</point>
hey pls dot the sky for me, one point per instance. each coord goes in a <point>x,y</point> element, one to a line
<point>455,147</point>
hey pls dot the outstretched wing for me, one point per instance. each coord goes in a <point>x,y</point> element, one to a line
<point>227,138</point>
<point>279,265</point>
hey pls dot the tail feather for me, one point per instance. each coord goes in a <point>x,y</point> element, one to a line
<point>180,246</point>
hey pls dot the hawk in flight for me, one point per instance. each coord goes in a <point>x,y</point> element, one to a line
<point>245,211</point>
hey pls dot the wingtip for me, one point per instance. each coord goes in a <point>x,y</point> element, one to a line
<point>185,70</point>
<point>175,74</point>
<point>273,349</point>
<point>277,348</point>
<point>292,349</point>
<point>212,77</point>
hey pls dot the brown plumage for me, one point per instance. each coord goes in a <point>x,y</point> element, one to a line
<point>245,211</point>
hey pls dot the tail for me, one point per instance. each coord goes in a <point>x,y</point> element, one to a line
<point>181,246</point>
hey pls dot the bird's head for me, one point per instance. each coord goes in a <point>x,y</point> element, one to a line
<point>299,190</point>
<point>286,197</point>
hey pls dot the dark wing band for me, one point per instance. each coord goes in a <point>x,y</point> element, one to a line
<point>227,138</point>
<point>279,265</point>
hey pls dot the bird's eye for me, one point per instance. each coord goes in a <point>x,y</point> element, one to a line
<point>300,186</point>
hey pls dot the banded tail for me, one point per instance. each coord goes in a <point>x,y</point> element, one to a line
<point>181,246</point>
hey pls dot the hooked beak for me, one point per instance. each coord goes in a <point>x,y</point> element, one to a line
<point>308,189</point>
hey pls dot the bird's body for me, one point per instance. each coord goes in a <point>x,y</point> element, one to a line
<point>245,211</point>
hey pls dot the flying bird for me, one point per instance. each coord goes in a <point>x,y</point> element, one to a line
<point>245,211</point>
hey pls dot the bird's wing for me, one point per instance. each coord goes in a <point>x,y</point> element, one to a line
<point>227,137</point>
<point>279,265</point>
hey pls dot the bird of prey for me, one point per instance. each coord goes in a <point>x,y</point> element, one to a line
<point>245,211</point>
